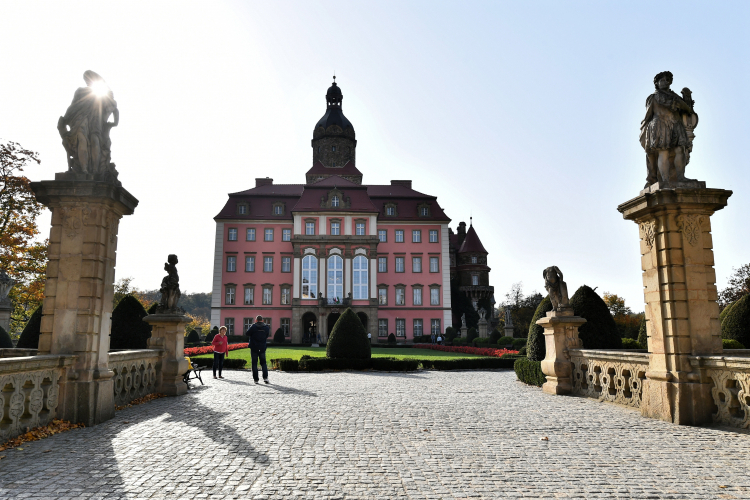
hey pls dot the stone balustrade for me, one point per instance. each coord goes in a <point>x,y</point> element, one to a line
<point>614,376</point>
<point>135,373</point>
<point>17,353</point>
<point>32,392</point>
<point>730,379</point>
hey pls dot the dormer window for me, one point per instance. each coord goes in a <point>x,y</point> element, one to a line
<point>390,210</point>
<point>278,208</point>
<point>335,201</point>
<point>423,210</point>
<point>242,209</point>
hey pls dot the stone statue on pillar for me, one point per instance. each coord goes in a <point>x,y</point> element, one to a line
<point>170,288</point>
<point>6,283</point>
<point>556,287</point>
<point>667,135</point>
<point>85,127</point>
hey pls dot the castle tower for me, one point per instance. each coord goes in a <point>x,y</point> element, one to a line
<point>473,272</point>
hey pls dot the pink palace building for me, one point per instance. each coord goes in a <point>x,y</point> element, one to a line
<point>299,254</point>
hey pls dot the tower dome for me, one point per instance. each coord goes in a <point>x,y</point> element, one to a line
<point>334,139</point>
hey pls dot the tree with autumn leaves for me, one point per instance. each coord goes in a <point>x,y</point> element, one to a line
<point>22,255</point>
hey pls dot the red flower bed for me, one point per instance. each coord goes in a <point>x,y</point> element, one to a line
<point>194,351</point>
<point>481,351</point>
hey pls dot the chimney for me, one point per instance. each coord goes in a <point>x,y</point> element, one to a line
<point>263,181</point>
<point>461,233</point>
<point>406,184</point>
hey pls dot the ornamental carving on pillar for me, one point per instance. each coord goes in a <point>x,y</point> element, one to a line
<point>112,223</point>
<point>648,232</point>
<point>690,227</point>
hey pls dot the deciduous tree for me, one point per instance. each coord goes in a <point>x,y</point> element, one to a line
<point>739,286</point>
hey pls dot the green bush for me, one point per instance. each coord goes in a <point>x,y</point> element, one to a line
<point>129,331</point>
<point>480,340</point>
<point>231,363</point>
<point>213,333</point>
<point>467,363</point>
<point>523,351</point>
<point>459,341</point>
<point>471,334</point>
<point>725,311</point>
<point>736,324</point>
<point>600,330</point>
<point>529,371</point>
<point>348,339</point>
<point>503,341</point>
<point>193,337</point>
<point>495,336</point>
<point>5,340</point>
<point>391,338</point>
<point>731,344</point>
<point>278,336</point>
<point>643,334</point>
<point>450,334</point>
<point>285,364</point>
<point>30,335</point>
<point>535,344</point>
<point>518,343</point>
<point>631,344</point>
<point>394,365</point>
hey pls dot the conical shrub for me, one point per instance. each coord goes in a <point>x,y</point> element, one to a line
<point>129,331</point>
<point>536,349</point>
<point>193,337</point>
<point>643,334</point>
<point>600,330</point>
<point>278,336</point>
<point>736,324</point>
<point>5,340</point>
<point>725,311</point>
<point>30,335</point>
<point>348,338</point>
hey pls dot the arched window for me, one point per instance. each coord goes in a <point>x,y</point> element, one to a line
<point>309,277</point>
<point>335,277</point>
<point>359,278</point>
<point>335,201</point>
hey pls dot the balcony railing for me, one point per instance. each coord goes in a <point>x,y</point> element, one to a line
<point>334,301</point>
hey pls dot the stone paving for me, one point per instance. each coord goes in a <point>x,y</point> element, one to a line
<point>368,435</point>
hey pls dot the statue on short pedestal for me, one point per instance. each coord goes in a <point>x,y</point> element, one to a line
<point>556,287</point>
<point>85,129</point>
<point>482,314</point>
<point>667,134</point>
<point>463,320</point>
<point>6,283</point>
<point>508,317</point>
<point>170,287</point>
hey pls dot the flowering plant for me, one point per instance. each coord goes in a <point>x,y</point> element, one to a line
<point>194,351</point>
<point>481,351</point>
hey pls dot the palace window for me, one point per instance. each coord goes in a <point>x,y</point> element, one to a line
<point>435,327</point>
<point>418,331</point>
<point>475,280</point>
<point>359,278</point>
<point>268,235</point>
<point>278,209</point>
<point>433,236</point>
<point>267,295</point>
<point>382,235</point>
<point>232,235</point>
<point>382,327</point>
<point>335,201</point>
<point>285,326</point>
<point>434,265</point>
<point>416,236</point>
<point>335,277</point>
<point>417,296</point>
<point>249,295</point>
<point>400,327</point>
<point>286,264</point>
<point>399,264</point>
<point>399,235</point>
<point>286,294</point>
<point>231,263</point>
<point>359,229</point>
<point>382,296</point>
<point>474,259</point>
<point>416,264</point>
<point>286,235</point>
<point>424,211</point>
<point>247,323</point>
<point>309,277</point>
<point>229,295</point>
<point>335,228</point>
<point>267,264</point>
<point>382,264</point>
<point>309,228</point>
<point>241,209</point>
<point>249,264</point>
<point>400,300</point>
<point>250,234</point>
<point>434,296</point>
<point>390,210</point>
<point>229,323</point>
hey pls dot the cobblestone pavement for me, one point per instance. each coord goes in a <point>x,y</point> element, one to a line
<point>368,435</point>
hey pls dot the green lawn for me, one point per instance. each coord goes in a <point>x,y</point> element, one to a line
<point>377,352</point>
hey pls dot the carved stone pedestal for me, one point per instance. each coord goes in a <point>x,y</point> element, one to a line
<point>168,334</point>
<point>464,332</point>
<point>680,293</point>
<point>560,334</point>
<point>77,305</point>
<point>5,310</point>
<point>482,329</point>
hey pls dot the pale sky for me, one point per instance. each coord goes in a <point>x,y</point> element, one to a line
<point>524,115</point>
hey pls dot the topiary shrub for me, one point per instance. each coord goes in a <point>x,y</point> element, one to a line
<point>348,338</point>
<point>278,336</point>
<point>535,344</point>
<point>129,331</point>
<point>193,337</point>
<point>529,371</point>
<point>518,343</point>
<point>495,336</point>
<point>643,334</point>
<point>5,341</point>
<point>631,344</point>
<point>152,308</point>
<point>471,334</point>
<point>736,324</point>
<point>725,311</point>
<point>450,334</point>
<point>391,338</point>
<point>30,335</point>
<point>211,334</point>
<point>731,344</point>
<point>522,351</point>
<point>503,341</point>
<point>600,330</point>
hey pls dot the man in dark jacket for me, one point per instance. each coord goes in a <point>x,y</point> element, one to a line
<point>257,335</point>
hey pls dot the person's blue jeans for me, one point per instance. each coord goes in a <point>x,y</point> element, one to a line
<point>218,362</point>
<point>256,354</point>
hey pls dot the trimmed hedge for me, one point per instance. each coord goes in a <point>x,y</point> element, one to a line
<point>518,343</point>
<point>391,338</point>
<point>495,336</point>
<point>460,341</point>
<point>468,363</point>
<point>278,336</point>
<point>535,344</point>
<point>505,341</point>
<point>285,364</point>
<point>471,334</point>
<point>731,344</point>
<point>631,344</point>
<point>383,364</point>
<point>213,333</point>
<point>129,331</point>
<point>600,330</point>
<point>394,365</point>
<point>450,334</point>
<point>643,334</point>
<point>193,337</point>
<point>30,335</point>
<point>529,372</point>
<point>736,324</point>
<point>348,339</point>
<point>5,341</point>
<point>231,363</point>
<point>725,311</point>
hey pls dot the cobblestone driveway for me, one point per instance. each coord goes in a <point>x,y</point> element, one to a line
<point>431,435</point>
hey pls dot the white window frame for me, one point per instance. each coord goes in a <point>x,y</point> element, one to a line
<point>268,234</point>
<point>417,327</point>
<point>249,297</point>
<point>401,293</point>
<point>416,264</point>
<point>436,267</point>
<point>399,237</point>
<point>416,236</point>
<point>401,260</point>
<point>382,264</point>
<point>249,263</point>
<point>267,296</point>
<point>435,327</point>
<point>335,228</point>
<point>230,292</point>
<point>310,277</point>
<point>334,201</point>
<point>400,327</point>
<point>434,296</point>
<point>250,234</point>
<point>309,228</point>
<point>268,264</point>
<point>416,296</point>
<point>335,277</point>
<point>286,264</point>
<point>359,229</point>
<point>382,296</point>
<point>232,234</point>
<point>434,236</point>
<point>360,283</point>
<point>229,323</point>
<point>382,327</point>
<point>286,235</point>
<point>231,263</point>
<point>286,295</point>
<point>382,235</point>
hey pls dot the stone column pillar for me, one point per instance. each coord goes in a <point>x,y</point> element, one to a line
<point>464,332</point>
<point>6,307</point>
<point>168,333</point>
<point>482,328</point>
<point>77,305</point>
<point>560,334</point>
<point>680,292</point>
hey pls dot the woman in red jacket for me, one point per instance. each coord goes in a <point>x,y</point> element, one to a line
<point>221,349</point>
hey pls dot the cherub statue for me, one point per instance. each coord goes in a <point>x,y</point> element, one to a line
<point>482,313</point>
<point>556,287</point>
<point>667,132</point>
<point>170,286</point>
<point>463,320</point>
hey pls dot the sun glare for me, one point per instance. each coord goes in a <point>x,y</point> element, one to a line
<point>100,88</point>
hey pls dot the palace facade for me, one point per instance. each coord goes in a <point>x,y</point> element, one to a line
<point>299,254</point>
